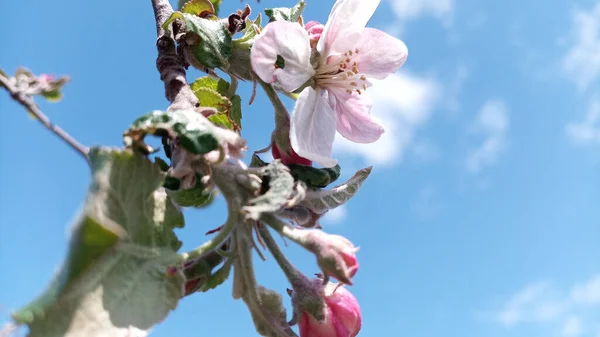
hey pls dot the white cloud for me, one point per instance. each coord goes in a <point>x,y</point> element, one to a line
<point>572,327</point>
<point>454,90</point>
<point>335,216</point>
<point>542,304</point>
<point>408,9</point>
<point>531,304</point>
<point>424,151</point>
<point>588,130</point>
<point>582,61</point>
<point>588,292</point>
<point>492,121</point>
<point>402,103</point>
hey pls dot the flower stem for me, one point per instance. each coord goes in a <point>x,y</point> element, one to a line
<point>215,242</point>
<point>284,229</point>
<point>281,135</point>
<point>291,272</point>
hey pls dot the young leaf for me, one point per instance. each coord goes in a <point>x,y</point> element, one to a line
<point>201,8</point>
<point>250,31</point>
<point>110,284</point>
<point>211,98</point>
<point>221,119</point>
<point>281,192</point>
<point>213,93</point>
<point>273,321</point>
<point>216,5</point>
<point>194,133</point>
<point>235,112</point>
<point>218,277</point>
<point>314,177</point>
<point>221,86</point>
<point>321,201</point>
<point>287,14</point>
<point>199,196</point>
<point>213,46</point>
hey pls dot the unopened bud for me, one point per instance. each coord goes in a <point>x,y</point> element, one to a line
<point>336,255</point>
<point>342,315</point>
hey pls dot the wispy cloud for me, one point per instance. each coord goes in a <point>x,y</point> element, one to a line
<point>587,292</point>
<point>493,122</point>
<point>454,89</point>
<point>586,131</point>
<point>402,103</point>
<point>534,303</point>
<point>335,216</point>
<point>409,9</point>
<point>582,61</point>
<point>572,327</point>
<point>573,312</point>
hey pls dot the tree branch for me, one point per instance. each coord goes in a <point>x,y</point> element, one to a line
<point>27,102</point>
<point>169,64</point>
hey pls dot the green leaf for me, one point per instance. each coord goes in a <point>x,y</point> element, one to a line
<point>219,277</point>
<point>235,112</point>
<point>221,119</point>
<point>321,201</point>
<point>195,134</point>
<point>211,98</point>
<point>314,177</point>
<point>201,8</point>
<point>199,196</point>
<point>214,44</point>
<point>52,95</point>
<point>250,31</point>
<point>280,194</point>
<point>216,5</point>
<point>111,283</point>
<point>273,322</point>
<point>287,14</point>
<point>221,86</point>
<point>213,93</point>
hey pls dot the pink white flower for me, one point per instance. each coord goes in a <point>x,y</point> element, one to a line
<point>342,315</point>
<point>333,76</point>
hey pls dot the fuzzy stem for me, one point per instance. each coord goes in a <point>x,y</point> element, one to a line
<point>291,272</point>
<point>281,135</point>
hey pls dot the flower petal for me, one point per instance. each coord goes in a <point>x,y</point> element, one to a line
<point>346,309</point>
<point>313,127</point>
<point>346,21</point>
<point>290,41</point>
<point>380,54</point>
<point>353,117</point>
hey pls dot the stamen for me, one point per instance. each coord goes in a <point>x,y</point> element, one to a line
<point>343,73</point>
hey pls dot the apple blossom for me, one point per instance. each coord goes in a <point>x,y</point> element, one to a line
<point>332,76</point>
<point>342,315</point>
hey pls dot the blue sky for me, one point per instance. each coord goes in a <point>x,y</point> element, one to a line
<point>481,216</point>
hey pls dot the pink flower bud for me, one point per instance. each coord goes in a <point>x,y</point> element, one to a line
<point>336,255</point>
<point>314,29</point>
<point>46,78</point>
<point>291,158</point>
<point>342,315</point>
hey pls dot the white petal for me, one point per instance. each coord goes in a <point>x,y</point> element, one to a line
<point>346,21</point>
<point>290,41</point>
<point>313,127</point>
<point>380,54</point>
